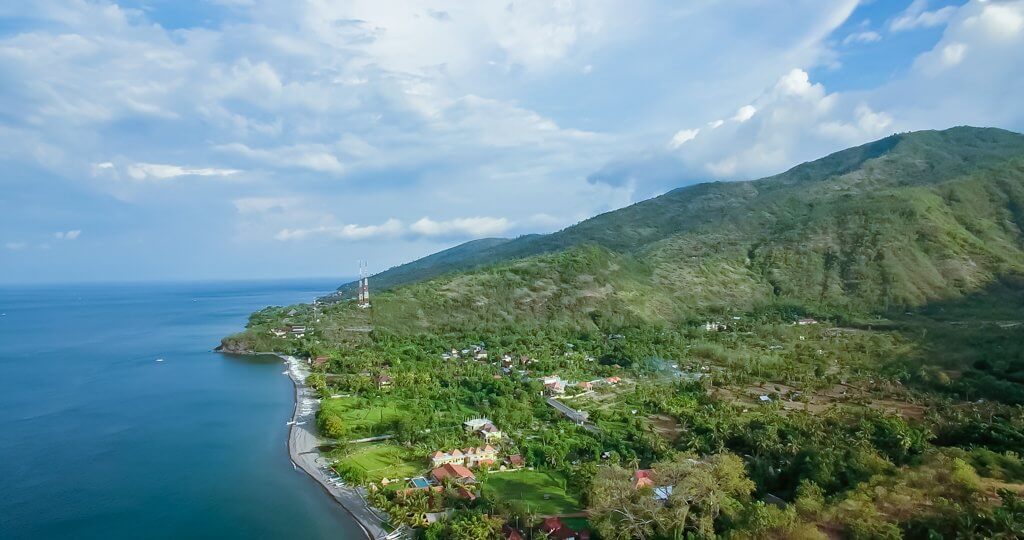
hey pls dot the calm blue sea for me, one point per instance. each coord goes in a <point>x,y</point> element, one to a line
<point>98,440</point>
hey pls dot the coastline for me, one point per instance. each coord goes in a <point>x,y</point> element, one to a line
<point>303,450</point>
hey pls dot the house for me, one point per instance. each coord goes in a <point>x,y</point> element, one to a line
<point>440,458</point>
<point>613,380</point>
<point>480,457</point>
<point>481,355</point>
<point>453,473</point>
<point>586,385</point>
<point>320,361</point>
<point>297,330</point>
<point>553,527</point>
<point>383,381</point>
<point>556,388</point>
<point>489,432</point>
<point>516,461</point>
<point>643,478</point>
<point>277,332</point>
<point>474,424</point>
<point>468,457</point>
<point>805,322</point>
<point>465,493</point>
<point>553,385</point>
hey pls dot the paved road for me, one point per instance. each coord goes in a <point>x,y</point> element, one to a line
<point>576,416</point>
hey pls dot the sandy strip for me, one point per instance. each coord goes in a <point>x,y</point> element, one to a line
<point>302,447</point>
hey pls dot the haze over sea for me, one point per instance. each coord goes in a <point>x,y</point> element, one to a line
<point>99,440</point>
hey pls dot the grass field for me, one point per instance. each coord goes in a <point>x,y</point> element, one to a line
<point>362,417</point>
<point>530,488</point>
<point>381,460</point>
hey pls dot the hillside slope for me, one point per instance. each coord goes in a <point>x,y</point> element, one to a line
<point>898,222</point>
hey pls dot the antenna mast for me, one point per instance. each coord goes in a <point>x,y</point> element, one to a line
<point>364,285</point>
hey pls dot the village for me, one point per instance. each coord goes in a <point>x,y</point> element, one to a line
<point>517,428</point>
<point>489,464</point>
<point>420,485</point>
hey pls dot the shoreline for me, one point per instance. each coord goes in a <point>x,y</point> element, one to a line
<point>303,450</point>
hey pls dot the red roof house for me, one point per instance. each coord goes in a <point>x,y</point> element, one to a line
<point>455,473</point>
<point>643,478</point>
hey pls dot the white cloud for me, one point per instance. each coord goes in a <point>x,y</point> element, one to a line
<point>16,246</point>
<point>793,120</point>
<point>868,36</point>
<point>798,83</point>
<point>457,228</point>
<point>156,171</point>
<point>723,168</point>
<point>390,228</point>
<point>141,172</point>
<point>461,227</point>
<point>682,137</point>
<point>341,114</point>
<point>67,235</point>
<point>918,16</point>
<point>953,53</point>
<point>743,114</point>
<point>315,157</point>
<point>983,30</point>
<point>999,21</point>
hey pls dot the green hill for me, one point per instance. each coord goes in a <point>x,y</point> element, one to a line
<point>896,415</point>
<point>895,223</point>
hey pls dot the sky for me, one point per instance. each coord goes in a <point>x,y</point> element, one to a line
<point>239,139</point>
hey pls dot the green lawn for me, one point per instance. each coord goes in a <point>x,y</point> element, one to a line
<point>362,417</point>
<point>382,460</point>
<point>530,488</point>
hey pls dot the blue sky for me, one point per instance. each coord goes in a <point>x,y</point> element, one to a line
<point>159,139</point>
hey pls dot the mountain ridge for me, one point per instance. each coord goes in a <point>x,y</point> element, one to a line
<point>922,160</point>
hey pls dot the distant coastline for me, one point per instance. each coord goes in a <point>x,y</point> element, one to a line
<point>303,446</point>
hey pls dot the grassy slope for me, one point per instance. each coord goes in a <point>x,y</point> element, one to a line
<point>926,159</point>
<point>902,222</point>
<point>529,489</point>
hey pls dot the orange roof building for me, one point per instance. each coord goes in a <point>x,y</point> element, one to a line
<point>643,478</point>
<point>454,473</point>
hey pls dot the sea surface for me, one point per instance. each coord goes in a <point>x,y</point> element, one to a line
<point>99,440</point>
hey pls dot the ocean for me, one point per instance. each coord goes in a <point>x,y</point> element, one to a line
<point>99,440</point>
